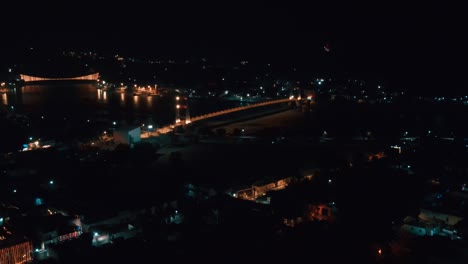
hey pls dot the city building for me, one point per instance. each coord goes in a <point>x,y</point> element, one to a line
<point>127,135</point>
<point>15,250</point>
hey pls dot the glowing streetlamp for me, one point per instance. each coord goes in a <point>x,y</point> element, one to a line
<point>149,130</point>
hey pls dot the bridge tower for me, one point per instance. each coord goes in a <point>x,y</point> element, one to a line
<point>187,112</point>
<point>177,117</point>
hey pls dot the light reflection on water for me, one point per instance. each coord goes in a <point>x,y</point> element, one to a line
<point>86,101</point>
<point>4,99</point>
<point>122,99</point>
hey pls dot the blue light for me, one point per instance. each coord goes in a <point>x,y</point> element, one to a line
<point>39,201</point>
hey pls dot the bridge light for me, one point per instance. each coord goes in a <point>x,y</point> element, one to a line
<point>177,106</point>
<point>177,98</point>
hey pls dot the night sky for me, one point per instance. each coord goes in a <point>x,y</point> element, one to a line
<point>420,47</point>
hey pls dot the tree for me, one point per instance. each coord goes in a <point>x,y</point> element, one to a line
<point>121,153</point>
<point>175,157</point>
<point>221,131</point>
<point>236,132</point>
<point>144,153</point>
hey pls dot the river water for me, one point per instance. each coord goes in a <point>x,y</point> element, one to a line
<point>57,110</point>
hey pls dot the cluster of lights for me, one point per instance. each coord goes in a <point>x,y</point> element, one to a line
<point>20,253</point>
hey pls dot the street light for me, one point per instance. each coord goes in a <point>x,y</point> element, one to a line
<point>150,127</point>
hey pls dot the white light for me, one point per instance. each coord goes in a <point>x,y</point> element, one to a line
<point>14,190</point>
<point>96,234</point>
<point>150,127</point>
<point>51,182</point>
<point>329,181</point>
<point>114,123</point>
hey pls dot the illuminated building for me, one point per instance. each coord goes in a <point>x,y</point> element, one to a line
<point>14,250</point>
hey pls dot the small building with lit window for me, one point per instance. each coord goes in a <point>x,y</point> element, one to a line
<point>128,135</point>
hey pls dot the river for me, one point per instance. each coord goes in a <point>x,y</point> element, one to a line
<point>70,110</point>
